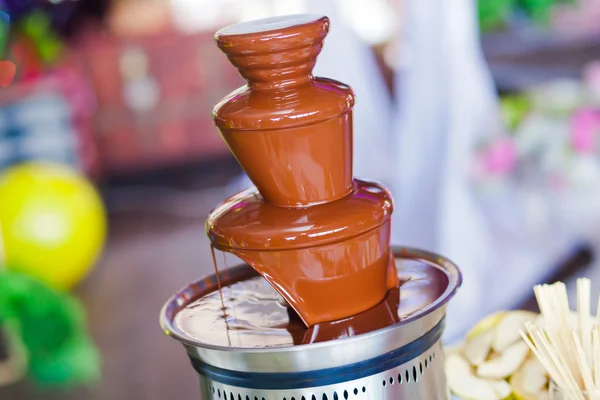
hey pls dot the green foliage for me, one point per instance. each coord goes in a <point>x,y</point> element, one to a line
<point>494,14</point>
<point>52,328</point>
<point>4,32</point>
<point>38,27</point>
<point>538,10</point>
<point>514,109</point>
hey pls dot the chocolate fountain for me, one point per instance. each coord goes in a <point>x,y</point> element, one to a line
<point>322,307</point>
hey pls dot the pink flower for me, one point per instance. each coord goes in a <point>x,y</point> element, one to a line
<point>585,123</point>
<point>501,157</point>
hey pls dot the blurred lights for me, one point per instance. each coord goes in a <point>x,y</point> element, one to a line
<point>375,21</point>
<point>192,16</point>
<point>255,9</point>
<point>289,7</point>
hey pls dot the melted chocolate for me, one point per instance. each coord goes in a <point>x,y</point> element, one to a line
<point>212,252</point>
<point>321,239</point>
<point>257,316</point>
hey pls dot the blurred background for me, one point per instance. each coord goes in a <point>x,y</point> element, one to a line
<point>484,118</point>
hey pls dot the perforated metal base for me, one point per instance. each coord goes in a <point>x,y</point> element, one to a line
<point>421,378</point>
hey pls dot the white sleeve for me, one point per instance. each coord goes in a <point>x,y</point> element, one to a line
<point>348,59</point>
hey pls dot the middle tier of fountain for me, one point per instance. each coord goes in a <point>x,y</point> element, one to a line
<point>329,261</point>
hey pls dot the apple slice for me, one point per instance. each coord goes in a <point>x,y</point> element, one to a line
<point>502,365</point>
<point>477,348</point>
<point>530,381</point>
<point>467,386</point>
<point>502,388</point>
<point>507,329</point>
<point>486,324</point>
<point>542,395</point>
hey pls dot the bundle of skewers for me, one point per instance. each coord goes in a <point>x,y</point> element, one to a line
<point>567,344</point>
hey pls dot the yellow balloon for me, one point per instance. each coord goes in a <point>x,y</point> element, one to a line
<point>52,223</point>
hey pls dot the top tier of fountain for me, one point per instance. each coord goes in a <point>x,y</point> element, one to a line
<point>303,155</point>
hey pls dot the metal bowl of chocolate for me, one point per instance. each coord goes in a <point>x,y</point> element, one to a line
<point>256,347</point>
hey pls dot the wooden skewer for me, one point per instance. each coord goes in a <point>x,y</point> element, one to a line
<point>557,315</point>
<point>585,368</point>
<point>550,360</point>
<point>583,314</point>
<point>542,356</point>
<point>596,347</point>
<point>572,384</point>
<point>568,348</point>
<point>598,311</point>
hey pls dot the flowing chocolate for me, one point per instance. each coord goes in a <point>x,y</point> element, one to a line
<point>320,238</point>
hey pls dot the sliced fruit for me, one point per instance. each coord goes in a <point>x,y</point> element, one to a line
<point>502,388</point>
<point>543,395</point>
<point>508,327</point>
<point>530,381</point>
<point>486,324</point>
<point>467,386</point>
<point>502,365</point>
<point>477,348</point>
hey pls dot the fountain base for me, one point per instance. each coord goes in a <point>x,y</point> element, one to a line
<point>421,377</point>
<point>247,358</point>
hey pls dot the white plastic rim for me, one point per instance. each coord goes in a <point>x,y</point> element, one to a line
<point>269,24</point>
